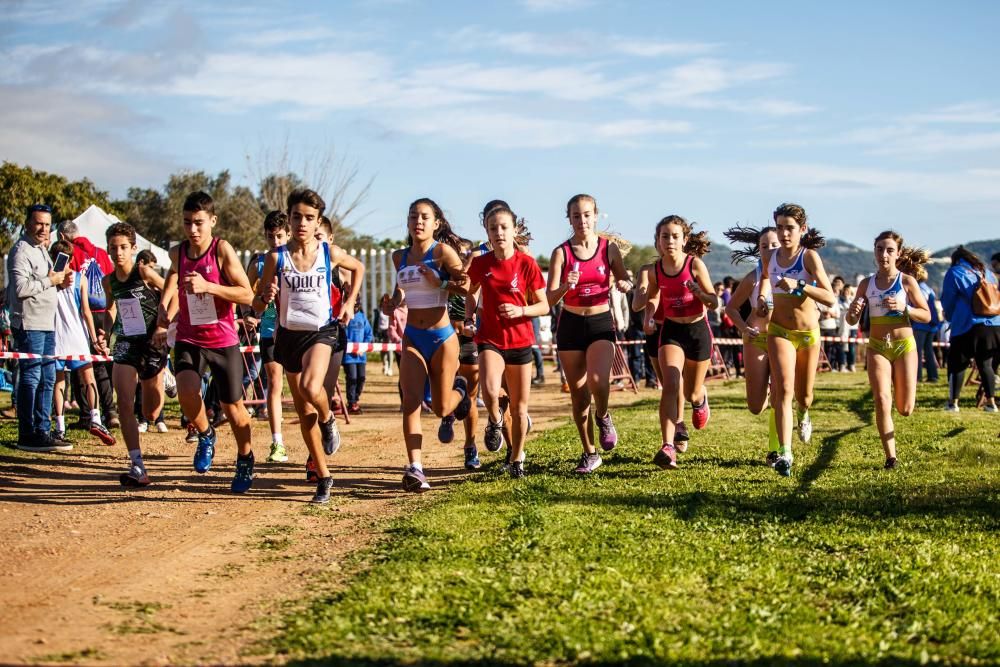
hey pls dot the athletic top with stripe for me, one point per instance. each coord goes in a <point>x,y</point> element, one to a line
<point>221,332</point>
<point>71,334</point>
<point>676,299</point>
<point>306,298</point>
<point>875,297</point>
<point>594,286</point>
<point>795,272</point>
<point>269,318</point>
<point>418,291</point>
<point>134,287</point>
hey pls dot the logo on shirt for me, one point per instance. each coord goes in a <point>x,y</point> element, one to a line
<point>600,269</point>
<point>513,284</point>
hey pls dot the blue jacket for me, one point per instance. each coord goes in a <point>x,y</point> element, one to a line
<point>358,331</point>
<point>956,298</point>
<point>931,300</point>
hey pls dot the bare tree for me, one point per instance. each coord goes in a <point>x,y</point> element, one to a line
<point>279,169</point>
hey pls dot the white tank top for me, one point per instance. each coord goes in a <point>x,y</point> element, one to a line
<point>875,297</point>
<point>71,334</point>
<point>418,292</point>
<point>795,272</point>
<point>304,298</point>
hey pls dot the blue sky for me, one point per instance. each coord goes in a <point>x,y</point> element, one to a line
<point>872,115</point>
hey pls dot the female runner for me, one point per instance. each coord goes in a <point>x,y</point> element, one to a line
<point>580,273</point>
<point>894,298</point>
<point>685,345</point>
<point>756,369</point>
<point>797,280</point>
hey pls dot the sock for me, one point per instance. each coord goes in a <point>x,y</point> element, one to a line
<point>95,416</point>
<point>786,451</point>
<point>418,466</point>
<point>135,456</point>
<point>955,381</point>
<point>207,432</point>
<point>277,438</point>
<point>61,422</point>
<point>772,433</point>
<point>244,457</point>
<point>801,414</point>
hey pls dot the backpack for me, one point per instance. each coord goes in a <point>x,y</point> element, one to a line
<point>96,297</point>
<point>986,298</point>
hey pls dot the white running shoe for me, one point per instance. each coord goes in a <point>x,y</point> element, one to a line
<point>805,431</point>
<point>951,407</point>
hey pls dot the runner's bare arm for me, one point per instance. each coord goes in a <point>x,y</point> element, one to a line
<point>618,268</point>
<point>169,292</point>
<point>340,258</point>
<point>151,277</point>
<point>821,292</point>
<point>267,285</point>
<point>112,308</point>
<point>237,291</point>
<point>740,296</point>
<point>458,281</point>
<point>398,295</point>
<point>556,288</point>
<point>858,305</point>
<point>917,306</point>
<point>703,283</point>
<point>644,283</point>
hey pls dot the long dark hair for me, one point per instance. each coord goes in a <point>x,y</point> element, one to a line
<point>750,236</point>
<point>961,252</point>
<point>444,233</point>
<point>522,237</point>
<point>910,260</point>
<point>697,243</point>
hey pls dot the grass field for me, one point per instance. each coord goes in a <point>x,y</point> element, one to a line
<point>719,562</point>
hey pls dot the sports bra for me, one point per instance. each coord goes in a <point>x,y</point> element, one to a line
<point>676,300</point>
<point>797,271</point>
<point>418,292</point>
<point>594,286</point>
<point>305,298</point>
<point>875,297</point>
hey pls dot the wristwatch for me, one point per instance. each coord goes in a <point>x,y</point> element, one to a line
<point>802,284</point>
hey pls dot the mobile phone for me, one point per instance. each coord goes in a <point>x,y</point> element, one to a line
<point>60,264</point>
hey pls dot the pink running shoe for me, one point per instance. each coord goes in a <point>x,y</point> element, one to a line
<point>701,413</point>
<point>666,457</point>
<point>608,435</point>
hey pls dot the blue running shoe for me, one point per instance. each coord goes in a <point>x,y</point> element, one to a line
<point>244,474</point>
<point>472,461</point>
<point>783,466</point>
<point>205,452</point>
<point>463,407</point>
<point>331,436</point>
<point>446,431</point>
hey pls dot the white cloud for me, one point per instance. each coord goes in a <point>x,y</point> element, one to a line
<point>700,83</point>
<point>559,83</point>
<point>577,44</point>
<point>554,5</point>
<point>966,113</point>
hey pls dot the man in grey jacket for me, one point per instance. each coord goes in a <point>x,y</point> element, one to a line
<point>31,294</point>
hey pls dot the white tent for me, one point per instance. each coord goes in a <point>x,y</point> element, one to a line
<point>94,221</point>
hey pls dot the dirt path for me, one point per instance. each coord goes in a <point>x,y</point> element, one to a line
<point>185,572</point>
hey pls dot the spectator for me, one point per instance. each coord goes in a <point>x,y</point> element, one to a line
<point>847,350</point>
<point>924,333</point>
<point>973,337</point>
<point>714,317</point>
<point>32,295</point>
<point>383,333</point>
<point>634,332</point>
<point>995,263</point>
<point>355,363</point>
<point>536,352</point>
<point>829,324</point>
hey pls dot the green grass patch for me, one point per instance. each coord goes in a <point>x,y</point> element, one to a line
<point>721,561</point>
<point>72,657</point>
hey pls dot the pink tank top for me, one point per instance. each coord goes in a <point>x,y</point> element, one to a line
<point>594,286</point>
<point>676,300</point>
<point>204,320</point>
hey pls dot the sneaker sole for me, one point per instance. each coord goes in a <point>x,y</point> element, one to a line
<point>277,459</point>
<point>130,482</point>
<point>106,438</point>
<point>664,462</point>
<point>681,448</point>
<point>413,484</point>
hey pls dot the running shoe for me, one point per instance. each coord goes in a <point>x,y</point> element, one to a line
<point>354,409</point>
<point>528,430</point>
<point>783,466</point>
<point>312,473</point>
<point>205,452</point>
<point>243,479</point>
<point>493,437</point>
<point>464,405</point>
<point>331,436</point>
<point>59,437</point>
<point>192,435</point>
<point>446,430</point>
<point>43,443</point>
<point>681,437</point>
<point>101,432</point>
<point>169,384</point>
<point>161,427</point>
<point>772,458</point>
<point>666,457</point>
<point>951,407</point>
<point>480,403</point>
<point>135,477</point>
<point>322,495</point>
<point>701,413</point>
<point>608,435</point>
<point>989,408</point>
<point>278,453</point>
<point>143,426</point>
<point>516,470</point>
<point>262,415</point>
<point>472,461</point>
<point>805,430</point>
<point>588,463</point>
<point>414,480</point>
<point>113,421</point>
<point>504,403</point>
<point>890,463</point>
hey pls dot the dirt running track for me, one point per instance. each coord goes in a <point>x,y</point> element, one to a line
<point>183,571</point>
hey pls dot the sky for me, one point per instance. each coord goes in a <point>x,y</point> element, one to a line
<point>872,115</point>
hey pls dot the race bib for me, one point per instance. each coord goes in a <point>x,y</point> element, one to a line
<point>201,309</point>
<point>130,315</point>
<point>302,314</point>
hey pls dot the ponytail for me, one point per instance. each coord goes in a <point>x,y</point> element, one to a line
<point>812,239</point>
<point>751,237</point>
<point>697,244</point>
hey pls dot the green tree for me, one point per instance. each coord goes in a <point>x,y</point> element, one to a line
<point>20,187</point>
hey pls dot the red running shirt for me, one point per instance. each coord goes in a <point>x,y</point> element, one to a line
<point>676,300</point>
<point>594,287</point>
<point>505,281</point>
